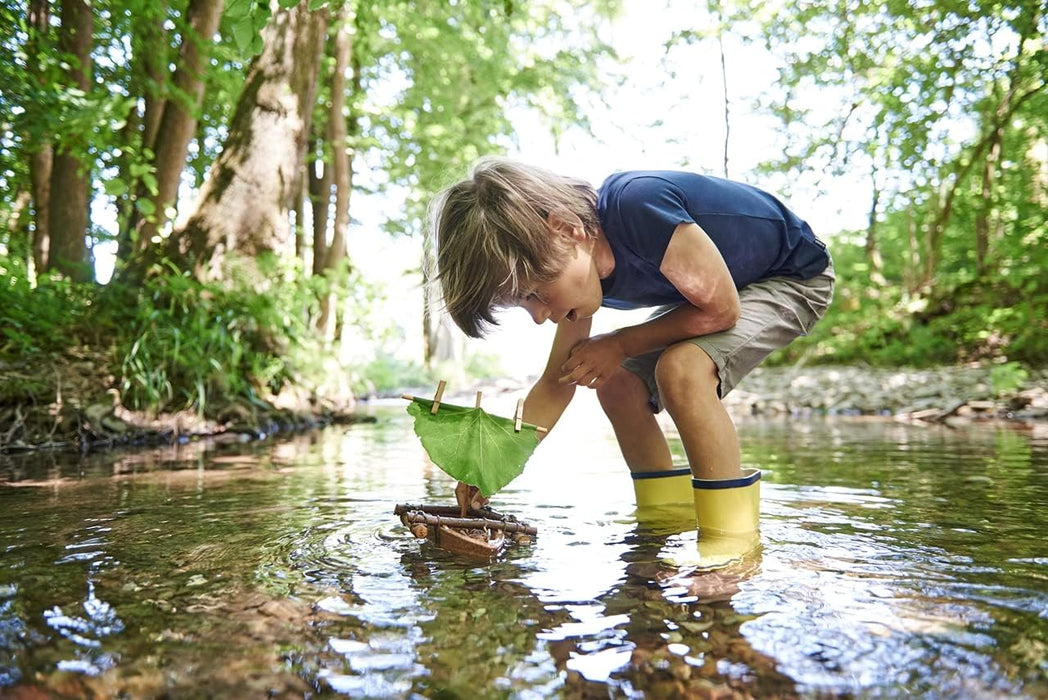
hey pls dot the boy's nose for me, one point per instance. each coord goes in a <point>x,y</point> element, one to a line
<point>539,312</point>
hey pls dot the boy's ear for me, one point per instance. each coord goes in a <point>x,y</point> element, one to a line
<point>566,223</point>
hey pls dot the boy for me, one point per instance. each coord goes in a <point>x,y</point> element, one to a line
<point>733,273</point>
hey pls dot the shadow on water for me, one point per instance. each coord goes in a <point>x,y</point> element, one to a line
<point>893,560</point>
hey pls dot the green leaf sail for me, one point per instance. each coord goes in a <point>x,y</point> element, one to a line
<point>472,445</point>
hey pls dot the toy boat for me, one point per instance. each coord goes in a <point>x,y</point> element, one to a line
<point>482,534</point>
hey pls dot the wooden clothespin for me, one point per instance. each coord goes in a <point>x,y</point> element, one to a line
<point>478,400</point>
<point>438,396</point>
<point>518,417</point>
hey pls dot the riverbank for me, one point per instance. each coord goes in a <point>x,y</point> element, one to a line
<point>68,406</point>
<point>937,395</point>
<point>73,404</point>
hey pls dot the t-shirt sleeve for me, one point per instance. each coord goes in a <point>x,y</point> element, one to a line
<point>651,208</point>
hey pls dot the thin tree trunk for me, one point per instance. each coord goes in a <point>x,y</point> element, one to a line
<point>245,202</point>
<point>41,154</point>
<point>300,218</point>
<point>911,272</point>
<point>320,203</point>
<point>179,120</point>
<point>70,178</point>
<point>982,216</point>
<point>40,166</point>
<point>724,83</point>
<point>341,163</point>
<point>873,253</point>
<point>149,81</point>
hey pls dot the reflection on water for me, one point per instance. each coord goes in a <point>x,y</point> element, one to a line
<point>894,560</point>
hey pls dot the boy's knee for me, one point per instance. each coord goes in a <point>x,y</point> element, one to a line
<point>622,392</point>
<point>683,371</point>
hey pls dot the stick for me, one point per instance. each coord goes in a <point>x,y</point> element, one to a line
<point>436,399</point>
<point>478,400</point>
<point>518,417</point>
<point>509,526</point>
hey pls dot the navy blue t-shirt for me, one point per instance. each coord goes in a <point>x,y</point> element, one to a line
<point>755,233</point>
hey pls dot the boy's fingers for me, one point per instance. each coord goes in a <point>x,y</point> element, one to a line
<point>581,376</point>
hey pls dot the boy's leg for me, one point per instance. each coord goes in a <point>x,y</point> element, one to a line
<point>656,483</point>
<point>691,377</point>
<point>688,379</point>
<point>624,398</point>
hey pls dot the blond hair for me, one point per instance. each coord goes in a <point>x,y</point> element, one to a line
<point>493,238</point>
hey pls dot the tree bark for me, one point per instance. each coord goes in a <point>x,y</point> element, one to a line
<point>873,252</point>
<point>180,116</point>
<point>982,215</point>
<point>320,204</point>
<point>341,163</point>
<point>41,154</point>
<point>149,82</point>
<point>244,205</point>
<point>70,178</point>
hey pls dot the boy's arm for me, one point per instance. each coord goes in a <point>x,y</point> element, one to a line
<point>696,268</point>
<point>549,397</point>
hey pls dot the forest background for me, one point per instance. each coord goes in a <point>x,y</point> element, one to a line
<point>191,191</point>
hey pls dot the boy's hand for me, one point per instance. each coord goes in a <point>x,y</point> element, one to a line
<point>469,498</point>
<point>593,360</point>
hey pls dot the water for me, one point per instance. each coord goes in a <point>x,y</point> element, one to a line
<point>895,560</point>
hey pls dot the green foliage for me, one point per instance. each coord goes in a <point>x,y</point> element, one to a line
<point>175,343</point>
<point>462,66</point>
<point>1008,377</point>
<point>966,318</point>
<point>472,445</point>
<point>42,319</point>
<point>189,342</point>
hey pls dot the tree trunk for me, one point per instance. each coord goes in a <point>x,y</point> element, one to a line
<point>320,203</point>
<point>873,253</point>
<point>40,154</point>
<point>719,20</point>
<point>911,272</point>
<point>341,164</point>
<point>179,119</point>
<point>245,202</point>
<point>149,82</point>
<point>982,216</point>
<point>300,218</point>
<point>70,178</point>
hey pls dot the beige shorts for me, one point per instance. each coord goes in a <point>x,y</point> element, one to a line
<point>774,312</point>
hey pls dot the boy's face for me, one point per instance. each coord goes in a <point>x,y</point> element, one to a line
<point>572,295</point>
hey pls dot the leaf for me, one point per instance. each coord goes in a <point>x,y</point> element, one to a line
<point>243,33</point>
<point>145,206</point>
<point>472,445</point>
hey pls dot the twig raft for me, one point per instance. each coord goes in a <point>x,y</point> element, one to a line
<point>447,516</point>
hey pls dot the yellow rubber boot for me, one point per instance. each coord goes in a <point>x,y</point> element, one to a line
<point>664,500</point>
<point>727,512</point>
<point>668,487</point>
